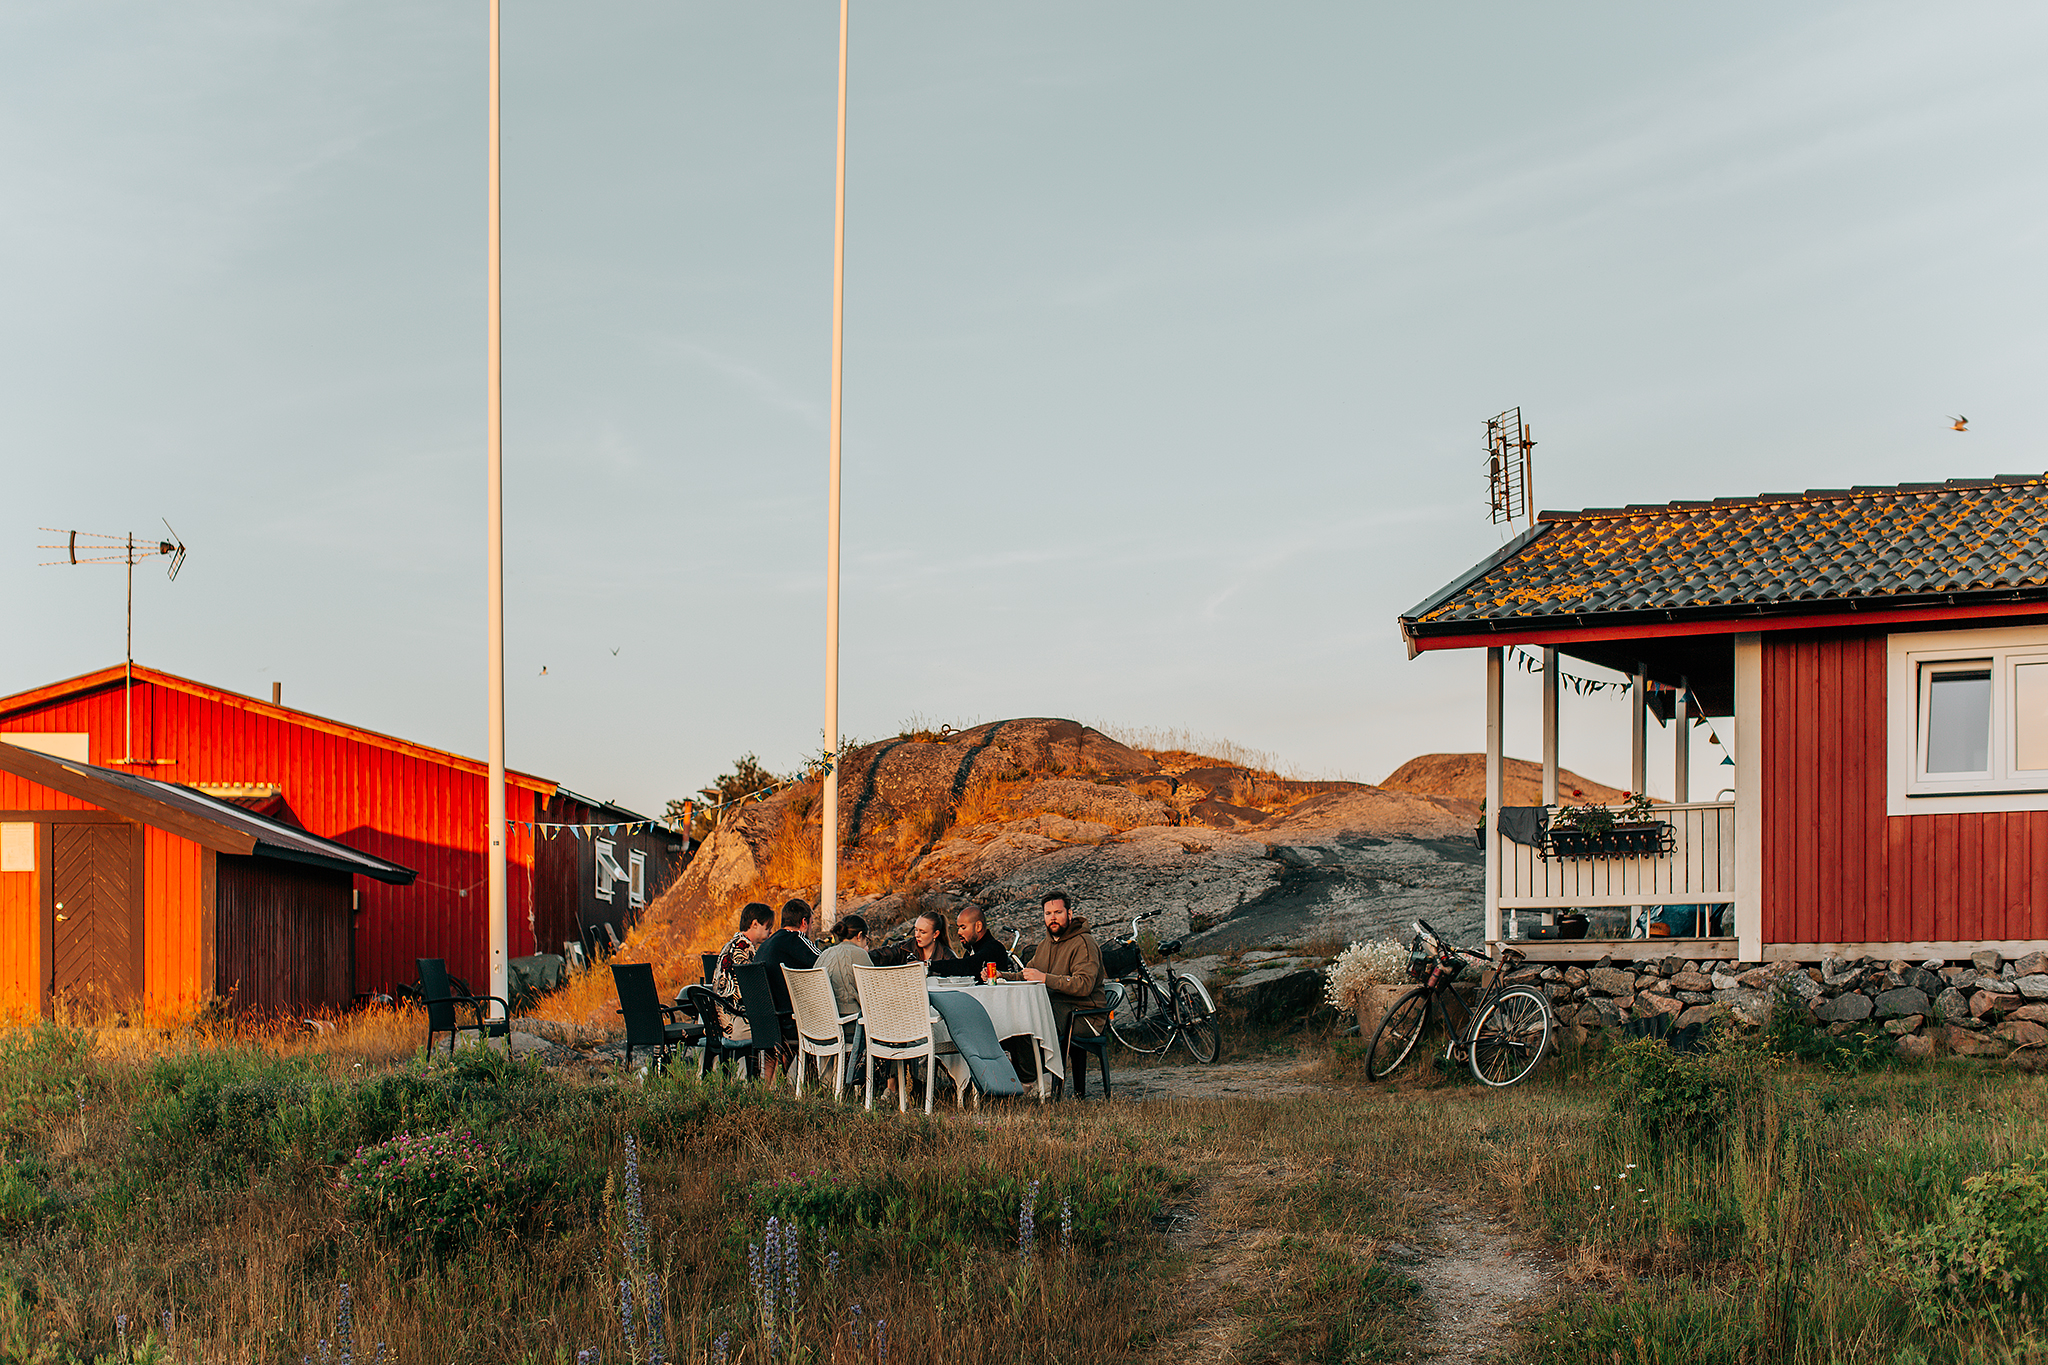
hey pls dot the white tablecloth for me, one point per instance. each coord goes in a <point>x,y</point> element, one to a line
<point>1016,1008</point>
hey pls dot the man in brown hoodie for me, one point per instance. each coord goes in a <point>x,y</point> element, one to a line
<point>1069,961</point>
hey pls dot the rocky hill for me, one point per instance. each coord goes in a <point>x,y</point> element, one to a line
<point>1227,856</point>
<point>1463,776</point>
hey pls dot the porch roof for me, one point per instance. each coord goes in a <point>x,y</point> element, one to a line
<point>1974,543</point>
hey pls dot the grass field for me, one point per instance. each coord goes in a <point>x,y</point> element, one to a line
<point>1740,1206</point>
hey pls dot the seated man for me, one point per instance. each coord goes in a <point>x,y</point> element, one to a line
<point>792,947</point>
<point>732,1012</point>
<point>1069,961</point>
<point>978,948</point>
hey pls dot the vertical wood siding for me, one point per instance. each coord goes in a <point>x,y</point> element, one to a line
<point>1836,867</point>
<point>421,812</point>
<point>174,915</point>
<point>283,936</point>
<point>21,943</point>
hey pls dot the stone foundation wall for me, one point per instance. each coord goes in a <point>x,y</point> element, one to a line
<point>1986,1007</point>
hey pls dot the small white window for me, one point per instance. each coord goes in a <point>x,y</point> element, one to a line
<point>608,870</point>
<point>636,881</point>
<point>1968,721</point>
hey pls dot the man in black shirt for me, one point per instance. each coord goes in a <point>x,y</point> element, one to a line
<point>789,947</point>
<point>978,948</point>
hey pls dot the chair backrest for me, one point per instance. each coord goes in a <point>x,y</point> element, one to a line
<point>435,994</point>
<point>707,1012</point>
<point>812,1001</point>
<point>710,966</point>
<point>974,1037</point>
<point>893,1006</point>
<point>640,1002</point>
<point>759,999</point>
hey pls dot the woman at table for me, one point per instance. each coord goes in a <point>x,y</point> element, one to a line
<point>928,939</point>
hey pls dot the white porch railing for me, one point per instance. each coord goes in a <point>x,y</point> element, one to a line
<point>1699,869</point>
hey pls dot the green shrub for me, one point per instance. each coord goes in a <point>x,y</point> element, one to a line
<point>1673,1098</point>
<point>431,1193</point>
<point>1791,1032</point>
<point>1989,1252</point>
<point>210,1118</point>
<point>43,1074</point>
<point>21,1201</point>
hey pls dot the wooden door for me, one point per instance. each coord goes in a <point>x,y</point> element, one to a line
<point>96,920</point>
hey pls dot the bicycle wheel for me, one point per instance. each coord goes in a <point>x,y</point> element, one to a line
<point>1199,1027</point>
<point>1397,1034</point>
<point>1510,1035</point>
<point>1140,1022</point>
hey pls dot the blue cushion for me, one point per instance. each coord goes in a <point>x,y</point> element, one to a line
<point>976,1039</point>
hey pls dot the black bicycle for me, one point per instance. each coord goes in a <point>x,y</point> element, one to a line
<point>1148,1016</point>
<point>1502,1035</point>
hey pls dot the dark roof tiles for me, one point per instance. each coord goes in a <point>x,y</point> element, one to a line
<point>1963,536</point>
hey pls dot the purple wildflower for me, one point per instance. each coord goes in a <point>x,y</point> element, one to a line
<point>345,1326</point>
<point>718,1348</point>
<point>651,1310</point>
<point>1066,1223</point>
<point>1027,1226</point>
<point>854,1328</point>
<point>626,1318</point>
<point>881,1341</point>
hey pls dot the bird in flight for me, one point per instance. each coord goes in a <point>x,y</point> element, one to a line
<point>543,670</point>
<point>1961,424</point>
<point>615,654</point>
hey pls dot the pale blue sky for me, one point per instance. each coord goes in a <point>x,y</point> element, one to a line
<point>1170,333</point>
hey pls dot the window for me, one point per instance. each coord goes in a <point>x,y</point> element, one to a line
<point>608,870</point>
<point>636,880</point>
<point>1969,721</point>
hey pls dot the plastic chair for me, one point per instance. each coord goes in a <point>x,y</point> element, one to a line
<point>649,1023</point>
<point>896,1013</point>
<point>440,999</point>
<point>1095,1044</point>
<point>717,1047</point>
<point>758,999</point>
<point>974,1035</point>
<point>710,961</point>
<point>820,1027</point>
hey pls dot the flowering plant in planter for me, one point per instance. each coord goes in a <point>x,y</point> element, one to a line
<point>1628,829</point>
<point>1361,967</point>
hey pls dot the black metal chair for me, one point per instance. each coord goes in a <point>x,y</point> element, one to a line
<point>717,1047</point>
<point>649,1023</point>
<point>441,1001</point>
<point>771,1027</point>
<point>1084,1041</point>
<point>710,961</point>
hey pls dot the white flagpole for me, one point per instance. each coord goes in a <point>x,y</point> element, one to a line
<point>828,875</point>
<point>495,575</point>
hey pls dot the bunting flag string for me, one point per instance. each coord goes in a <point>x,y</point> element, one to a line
<point>1582,686</point>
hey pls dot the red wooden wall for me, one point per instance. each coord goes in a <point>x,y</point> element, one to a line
<point>1836,867</point>
<point>419,807</point>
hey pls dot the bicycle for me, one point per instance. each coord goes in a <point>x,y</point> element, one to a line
<point>1149,1017</point>
<point>1502,1036</point>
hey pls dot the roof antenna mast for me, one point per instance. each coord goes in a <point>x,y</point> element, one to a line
<point>93,547</point>
<point>1508,444</point>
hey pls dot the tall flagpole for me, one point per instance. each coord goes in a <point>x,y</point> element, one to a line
<point>828,876</point>
<point>495,428</point>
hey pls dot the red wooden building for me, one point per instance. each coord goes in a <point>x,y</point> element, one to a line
<point>407,804</point>
<point>1883,653</point>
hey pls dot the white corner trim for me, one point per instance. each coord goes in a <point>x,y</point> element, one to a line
<point>1749,797</point>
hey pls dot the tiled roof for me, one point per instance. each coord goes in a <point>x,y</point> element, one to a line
<point>1985,539</point>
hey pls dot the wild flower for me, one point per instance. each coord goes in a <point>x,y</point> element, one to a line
<point>636,1218</point>
<point>121,1333</point>
<point>583,1358</point>
<point>1026,1222</point>
<point>881,1341</point>
<point>1066,1223</point>
<point>720,1347</point>
<point>656,1346</point>
<point>854,1326</point>
<point>792,1263</point>
<point>626,1319</point>
<point>832,1266</point>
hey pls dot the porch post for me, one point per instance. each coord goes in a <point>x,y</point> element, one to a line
<point>1493,786</point>
<point>1638,732</point>
<point>1681,756</point>
<point>1749,797</point>
<point>1550,725</point>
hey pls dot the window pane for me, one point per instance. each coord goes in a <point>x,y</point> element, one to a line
<point>2030,715</point>
<point>1959,721</point>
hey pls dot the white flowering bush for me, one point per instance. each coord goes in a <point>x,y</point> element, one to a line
<point>1383,963</point>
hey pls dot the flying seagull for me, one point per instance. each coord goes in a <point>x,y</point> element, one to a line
<point>543,670</point>
<point>1961,424</point>
<point>615,654</point>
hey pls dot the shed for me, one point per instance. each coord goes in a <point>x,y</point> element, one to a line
<point>597,865</point>
<point>123,893</point>
<point>1883,652</point>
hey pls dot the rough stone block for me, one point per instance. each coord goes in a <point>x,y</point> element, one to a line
<point>1843,1009</point>
<point>2032,987</point>
<point>1723,981</point>
<point>1694,997</point>
<point>1801,985</point>
<point>1525,976</point>
<point>2033,1014</point>
<point>1926,981</point>
<point>1671,966</point>
<point>1916,1047</point>
<point>1755,979</point>
<point>1699,981</point>
<point>1910,1024</point>
<point>1932,964</point>
<point>1602,1012</point>
<point>2021,1033</point>
<point>1697,1014</point>
<point>1748,1006</point>
<point>1653,1003</point>
<point>1964,1043</point>
<point>1952,1005</point>
<point>1985,1002</point>
<point>1987,960</point>
<point>1575,977</point>
<point>1608,981</point>
<point>2033,964</point>
<point>1904,1000</point>
<point>1956,976</point>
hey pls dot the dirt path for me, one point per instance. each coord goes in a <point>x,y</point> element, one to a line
<point>1253,1080</point>
<point>1473,1280</point>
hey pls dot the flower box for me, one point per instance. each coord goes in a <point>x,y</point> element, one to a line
<point>1634,839</point>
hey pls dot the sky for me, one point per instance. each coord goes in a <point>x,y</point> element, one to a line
<point>1171,330</point>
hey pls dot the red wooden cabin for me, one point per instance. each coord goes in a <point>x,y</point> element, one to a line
<point>1883,653</point>
<point>411,805</point>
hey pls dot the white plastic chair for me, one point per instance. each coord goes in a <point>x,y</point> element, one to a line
<point>897,1017</point>
<point>820,1027</point>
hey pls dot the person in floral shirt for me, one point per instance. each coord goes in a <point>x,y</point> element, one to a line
<point>756,921</point>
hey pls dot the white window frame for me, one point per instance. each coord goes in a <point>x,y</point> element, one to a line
<point>608,869</point>
<point>2003,787</point>
<point>636,879</point>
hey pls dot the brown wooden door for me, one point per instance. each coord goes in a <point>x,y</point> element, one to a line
<point>97,925</point>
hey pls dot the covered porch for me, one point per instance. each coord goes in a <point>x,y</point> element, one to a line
<point>1677,885</point>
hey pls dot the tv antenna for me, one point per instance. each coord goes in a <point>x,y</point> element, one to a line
<point>93,547</point>
<point>1508,444</point>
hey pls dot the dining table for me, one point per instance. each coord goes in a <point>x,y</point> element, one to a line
<point>1017,1009</point>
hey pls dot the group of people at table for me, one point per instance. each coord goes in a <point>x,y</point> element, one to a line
<point>1067,962</point>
